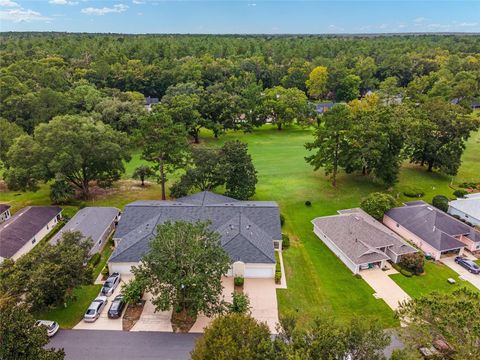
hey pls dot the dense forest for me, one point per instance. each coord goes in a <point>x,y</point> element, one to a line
<point>427,82</point>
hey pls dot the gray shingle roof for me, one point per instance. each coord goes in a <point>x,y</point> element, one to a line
<point>247,228</point>
<point>360,237</point>
<point>430,224</point>
<point>3,208</point>
<point>92,222</point>
<point>23,226</point>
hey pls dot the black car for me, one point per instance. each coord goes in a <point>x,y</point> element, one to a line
<point>116,308</point>
<point>468,264</point>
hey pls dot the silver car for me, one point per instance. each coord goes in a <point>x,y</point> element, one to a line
<point>95,308</point>
<point>110,284</point>
<point>52,326</point>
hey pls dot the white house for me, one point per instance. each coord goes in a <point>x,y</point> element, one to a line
<point>23,231</point>
<point>467,209</point>
<point>250,230</point>
<point>4,212</point>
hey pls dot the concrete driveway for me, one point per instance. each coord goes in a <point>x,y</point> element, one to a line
<point>464,273</point>
<point>385,288</point>
<point>103,322</point>
<point>151,320</point>
<point>263,301</point>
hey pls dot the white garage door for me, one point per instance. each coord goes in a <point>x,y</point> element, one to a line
<point>122,268</point>
<point>252,272</point>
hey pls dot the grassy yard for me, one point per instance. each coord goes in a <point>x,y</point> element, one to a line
<point>434,279</point>
<point>317,280</point>
<point>69,316</point>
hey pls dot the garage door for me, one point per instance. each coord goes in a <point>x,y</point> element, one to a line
<point>258,272</point>
<point>122,268</point>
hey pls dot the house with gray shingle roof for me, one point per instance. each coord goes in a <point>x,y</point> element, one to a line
<point>250,230</point>
<point>24,230</point>
<point>96,223</point>
<point>360,241</point>
<point>430,229</point>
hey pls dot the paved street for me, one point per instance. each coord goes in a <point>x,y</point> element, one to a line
<point>119,345</point>
<point>464,274</point>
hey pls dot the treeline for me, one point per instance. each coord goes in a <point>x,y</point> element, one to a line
<point>45,75</point>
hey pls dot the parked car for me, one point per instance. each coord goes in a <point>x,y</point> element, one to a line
<point>110,284</point>
<point>468,264</point>
<point>52,326</point>
<point>116,308</point>
<point>95,308</point>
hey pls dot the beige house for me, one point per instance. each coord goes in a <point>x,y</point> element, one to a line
<point>360,241</point>
<point>432,230</point>
<point>24,230</point>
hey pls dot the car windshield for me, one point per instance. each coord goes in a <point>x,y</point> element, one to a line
<point>52,326</point>
<point>107,285</point>
<point>115,305</point>
<point>90,311</point>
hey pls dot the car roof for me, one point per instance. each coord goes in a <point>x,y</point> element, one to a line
<point>44,322</point>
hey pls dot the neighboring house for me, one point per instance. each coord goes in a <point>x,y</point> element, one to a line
<point>359,240</point>
<point>4,212</point>
<point>467,208</point>
<point>96,223</point>
<point>20,233</point>
<point>323,107</point>
<point>431,229</point>
<point>150,101</point>
<point>250,230</point>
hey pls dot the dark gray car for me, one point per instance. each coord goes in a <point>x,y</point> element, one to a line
<point>468,264</point>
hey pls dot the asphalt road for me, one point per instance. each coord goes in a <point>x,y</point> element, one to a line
<point>119,345</point>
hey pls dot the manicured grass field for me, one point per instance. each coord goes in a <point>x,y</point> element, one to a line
<point>434,279</point>
<point>317,281</point>
<point>69,316</point>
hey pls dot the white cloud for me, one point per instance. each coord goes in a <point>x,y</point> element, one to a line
<point>252,5</point>
<point>118,8</point>
<point>8,3</point>
<point>138,2</point>
<point>420,19</point>
<point>22,15</point>
<point>63,2</point>
<point>139,14</point>
<point>468,24</point>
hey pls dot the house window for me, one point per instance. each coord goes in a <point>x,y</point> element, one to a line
<point>34,241</point>
<point>47,227</point>
<point>398,225</point>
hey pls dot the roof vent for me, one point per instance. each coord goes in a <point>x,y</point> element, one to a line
<point>248,226</point>
<point>429,208</point>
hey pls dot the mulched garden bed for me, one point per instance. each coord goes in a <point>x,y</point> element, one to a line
<point>182,322</point>
<point>132,314</point>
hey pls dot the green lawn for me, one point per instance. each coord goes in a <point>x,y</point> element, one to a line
<point>317,280</point>
<point>434,279</point>
<point>69,316</point>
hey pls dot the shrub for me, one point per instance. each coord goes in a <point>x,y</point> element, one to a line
<point>460,193</point>
<point>469,185</point>
<point>282,219</point>
<point>133,291</point>
<point>396,267</point>
<point>413,192</point>
<point>406,273</point>
<point>61,192</point>
<point>440,202</point>
<point>105,272</point>
<point>95,259</point>
<point>285,241</point>
<point>308,203</point>
<point>413,262</point>
<point>240,303</point>
<point>358,276</point>
<point>238,281</point>
<point>278,277</point>
<point>376,204</point>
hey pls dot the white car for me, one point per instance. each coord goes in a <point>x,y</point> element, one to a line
<point>52,326</point>
<point>110,284</point>
<point>95,308</point>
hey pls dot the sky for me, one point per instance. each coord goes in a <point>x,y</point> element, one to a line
<point>240,17</point>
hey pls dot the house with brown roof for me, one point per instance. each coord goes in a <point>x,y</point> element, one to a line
<point>24,230</point>
<point>360,241</point>
<point>431,229</point>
